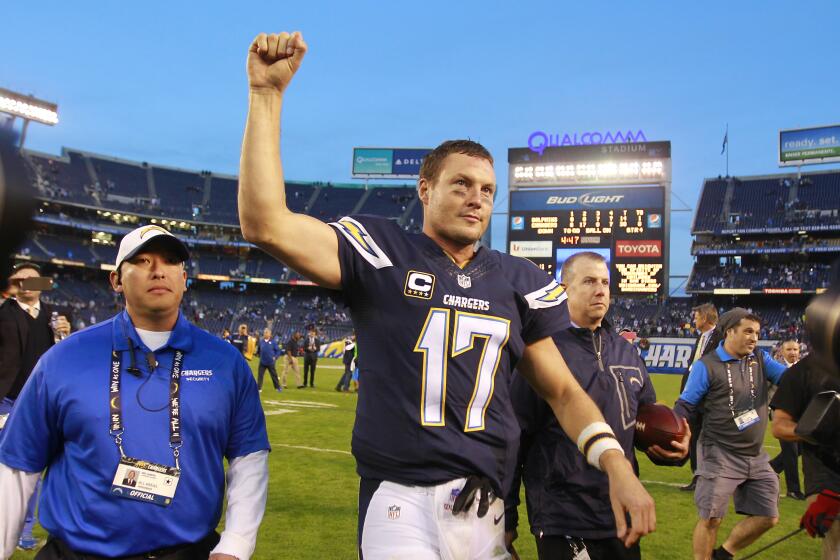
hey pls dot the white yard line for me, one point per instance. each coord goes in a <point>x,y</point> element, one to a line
<point>307,448</point>
<point>660,482</point>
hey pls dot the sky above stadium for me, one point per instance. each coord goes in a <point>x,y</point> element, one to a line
<point>165,82</point>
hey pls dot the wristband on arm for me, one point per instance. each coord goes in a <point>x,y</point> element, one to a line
<point>594,440</point>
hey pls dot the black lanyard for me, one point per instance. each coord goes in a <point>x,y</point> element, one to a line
<point>732,388</point>
<point>117,428</point>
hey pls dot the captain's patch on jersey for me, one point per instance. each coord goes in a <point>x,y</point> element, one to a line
<point>549,296</point>
<point>361,240</point>
<point>419,284</point>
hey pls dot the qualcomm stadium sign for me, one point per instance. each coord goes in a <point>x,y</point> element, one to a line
<point>538,141</point>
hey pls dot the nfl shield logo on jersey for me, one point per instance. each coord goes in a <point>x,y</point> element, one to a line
<point>464,281</point>
<point>393,512</point>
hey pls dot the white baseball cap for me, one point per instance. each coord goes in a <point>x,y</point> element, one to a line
<point>139,238</point>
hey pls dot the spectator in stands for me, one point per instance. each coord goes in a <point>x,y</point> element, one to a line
<point>226,335</point>
<point>268,351</point>
<point>311,347</point>
<point>730,383</point>
<point>291,359</point>
<point>240,339</point>
<point>705,320</point>
<point>27,330</point>
<point>54,426</point>
<point>788,459</point>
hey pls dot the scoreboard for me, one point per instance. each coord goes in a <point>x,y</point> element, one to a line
<point>594,198</point>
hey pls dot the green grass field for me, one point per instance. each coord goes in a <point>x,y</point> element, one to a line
<point>311,511</point>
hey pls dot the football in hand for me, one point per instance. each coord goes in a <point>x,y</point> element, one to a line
<point>656,424</point>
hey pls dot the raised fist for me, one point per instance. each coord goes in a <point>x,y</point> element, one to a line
<point>274,59</point>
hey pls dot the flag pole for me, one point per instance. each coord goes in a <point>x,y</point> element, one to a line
<point>727,149</point>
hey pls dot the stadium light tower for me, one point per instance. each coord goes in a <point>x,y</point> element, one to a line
<point>27,108</point>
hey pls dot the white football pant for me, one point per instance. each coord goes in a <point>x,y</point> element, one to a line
<point>416,523</point>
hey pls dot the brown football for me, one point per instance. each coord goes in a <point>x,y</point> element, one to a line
<point>656,424</point>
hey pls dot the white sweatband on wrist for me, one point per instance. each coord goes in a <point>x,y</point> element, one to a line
<point>595,439</point>
<point>600,446</point>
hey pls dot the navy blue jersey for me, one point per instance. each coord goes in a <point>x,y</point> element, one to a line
<point>440,343</point>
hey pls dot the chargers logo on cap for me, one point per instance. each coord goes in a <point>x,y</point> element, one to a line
<point>148,229</point>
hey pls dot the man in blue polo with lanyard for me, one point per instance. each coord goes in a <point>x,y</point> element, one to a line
<point>144,392</point>
<point>731,385</point>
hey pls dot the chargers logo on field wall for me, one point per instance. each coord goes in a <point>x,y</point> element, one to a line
<point>668,355</point>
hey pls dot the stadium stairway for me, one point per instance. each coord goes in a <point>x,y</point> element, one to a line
<point>205,199</point>
<point>41,246</point>
<point>408,209</point>
<point>310,204</point>
<point>362,201</point>
<point>150,182</point>
<point>727,198</point>
<point>94,177</point>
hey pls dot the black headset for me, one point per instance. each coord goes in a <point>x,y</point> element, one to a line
<point>132,368</point>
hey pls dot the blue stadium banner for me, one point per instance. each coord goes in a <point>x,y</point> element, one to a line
<point>388,163</point>
<point>372,161</point>
<point>808,146</point>
<point>586,199</point>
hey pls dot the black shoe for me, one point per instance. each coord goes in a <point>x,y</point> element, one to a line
<point>796,495</point>
<point>721,553</point>
<point>690,486</point>
<point>301,386</point>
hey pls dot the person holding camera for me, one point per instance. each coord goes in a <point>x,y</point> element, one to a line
<point>800,384</point>
<point>27,330</point>
<point>806,409</point>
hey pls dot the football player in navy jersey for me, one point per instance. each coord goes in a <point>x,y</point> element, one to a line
<point>442,322</point>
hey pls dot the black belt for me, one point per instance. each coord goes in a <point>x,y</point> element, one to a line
<point>56,549</point>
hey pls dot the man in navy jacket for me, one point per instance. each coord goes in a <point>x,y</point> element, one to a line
<point>568,500</point>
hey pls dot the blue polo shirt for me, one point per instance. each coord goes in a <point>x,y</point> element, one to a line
<point>709,384</point>
<point>698,384</point>
<point>61,422</point>
<point>269,352</point>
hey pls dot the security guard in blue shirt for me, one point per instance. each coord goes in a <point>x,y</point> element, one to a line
<point>146,392</point>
